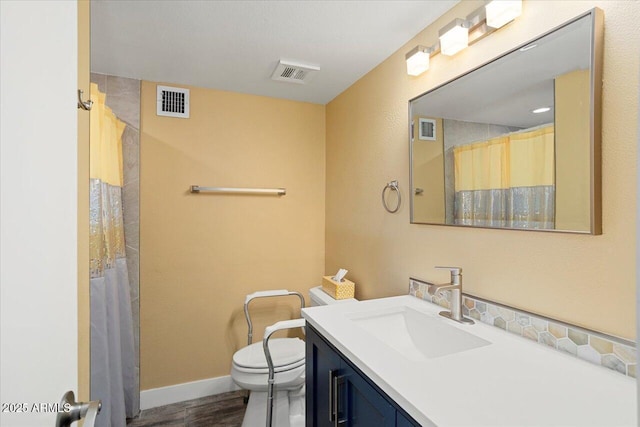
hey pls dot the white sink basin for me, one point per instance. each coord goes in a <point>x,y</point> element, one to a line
<point>415,335</point>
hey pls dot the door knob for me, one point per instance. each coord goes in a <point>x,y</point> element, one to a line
<point>72,411</point>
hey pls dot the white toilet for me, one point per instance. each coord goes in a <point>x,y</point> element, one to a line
<point>320,297</point>
<point>250,371</point>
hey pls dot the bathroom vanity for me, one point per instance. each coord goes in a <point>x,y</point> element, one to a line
<point>339,391</point>
<point>396,362</point>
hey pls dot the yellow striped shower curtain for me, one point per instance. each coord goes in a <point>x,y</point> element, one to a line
<point>113,376</point>
<point>507,181</point>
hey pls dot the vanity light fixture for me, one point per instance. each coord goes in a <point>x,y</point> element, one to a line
<point>500,12</point>
<point>454,37</point>
<point>540,110</point>
<point>418,60</point>
<point>460,33</point>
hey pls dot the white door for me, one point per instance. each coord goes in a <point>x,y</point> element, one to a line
<point>38,216</point>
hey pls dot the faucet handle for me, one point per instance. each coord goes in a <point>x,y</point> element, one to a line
<point>455,271</point>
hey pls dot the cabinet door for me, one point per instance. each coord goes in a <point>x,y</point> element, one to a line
<point>360,404</point>
<point>322,366</point>
<point>337,394</point>
<point>402,421</point>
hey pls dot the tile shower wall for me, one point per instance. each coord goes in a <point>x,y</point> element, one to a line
<point>123,97</point>
<point>610,352</point>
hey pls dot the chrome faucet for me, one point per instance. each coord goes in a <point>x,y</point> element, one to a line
<point>456,295</point>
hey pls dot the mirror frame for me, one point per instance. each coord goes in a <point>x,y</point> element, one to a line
<point>595,131</point>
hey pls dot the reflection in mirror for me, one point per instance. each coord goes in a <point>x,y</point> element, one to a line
<point>514,143</point>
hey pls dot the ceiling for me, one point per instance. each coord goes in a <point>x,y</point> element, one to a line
<point>236,45</point>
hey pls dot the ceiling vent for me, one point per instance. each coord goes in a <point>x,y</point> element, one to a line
<point>294,72</point>
<point>172,102</point>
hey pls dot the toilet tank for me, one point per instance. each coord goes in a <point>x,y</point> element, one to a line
<point>320,297</point>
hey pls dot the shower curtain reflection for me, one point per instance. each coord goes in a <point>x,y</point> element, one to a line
<point>112,341</point>
<point>507,181</point>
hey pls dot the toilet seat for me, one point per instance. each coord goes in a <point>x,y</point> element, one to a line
<point>250,370</point>
<point>286,354</point>
<point>284,380</point>
<point>277,369</point>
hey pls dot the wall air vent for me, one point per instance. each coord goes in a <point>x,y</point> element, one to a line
<point>172,102</point>
<point>427,129</point>
<point>294,72</point>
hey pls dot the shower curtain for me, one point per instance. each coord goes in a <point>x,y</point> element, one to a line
<point>507,181</point>
<point>112,343</point>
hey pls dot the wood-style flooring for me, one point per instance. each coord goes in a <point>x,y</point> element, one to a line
<point>221,410</point>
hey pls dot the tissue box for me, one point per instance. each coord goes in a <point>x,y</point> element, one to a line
<point>338,290</point>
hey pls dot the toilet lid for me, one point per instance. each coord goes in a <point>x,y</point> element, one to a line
<point>284,351</point>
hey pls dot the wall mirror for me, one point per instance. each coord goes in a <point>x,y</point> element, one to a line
<point>515,143</point>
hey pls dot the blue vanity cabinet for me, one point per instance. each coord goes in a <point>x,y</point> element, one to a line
<point>359,404</point>
<point>402,421</point>
<point>322,365</point>
<point>337,393</point>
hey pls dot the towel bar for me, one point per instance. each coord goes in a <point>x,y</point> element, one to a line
<point>276,191</point>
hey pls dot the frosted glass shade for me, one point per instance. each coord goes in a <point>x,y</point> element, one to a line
<point>454,40</point>
<point>500,12</point>
<point>418,63</point>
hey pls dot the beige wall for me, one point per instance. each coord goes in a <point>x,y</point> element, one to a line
<point>202,253</point>
<point>428,174</point>
<point>573,156</point>
<point>583,279</point>
<point>84,371</point>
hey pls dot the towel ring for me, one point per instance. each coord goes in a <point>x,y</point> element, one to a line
<point>393,185</point>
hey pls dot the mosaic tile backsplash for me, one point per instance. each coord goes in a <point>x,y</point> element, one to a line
<point>601,349</point>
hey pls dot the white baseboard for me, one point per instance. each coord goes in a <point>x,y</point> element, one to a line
<point>180,392</point>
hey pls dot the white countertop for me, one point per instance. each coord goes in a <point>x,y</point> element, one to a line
<point>511,382</point>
